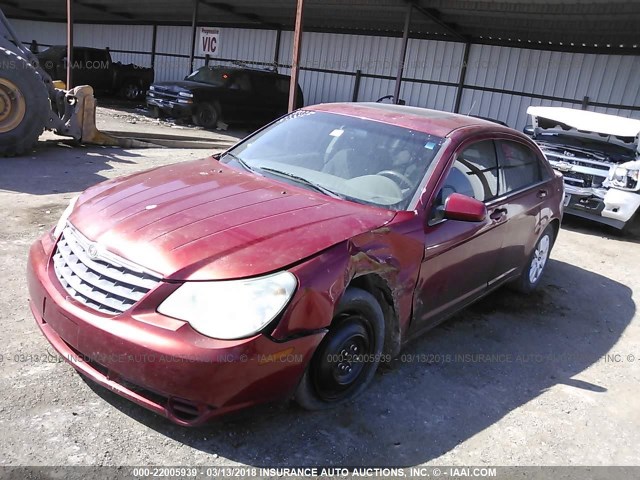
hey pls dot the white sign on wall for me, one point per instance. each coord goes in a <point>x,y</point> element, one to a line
<point>209,41</point>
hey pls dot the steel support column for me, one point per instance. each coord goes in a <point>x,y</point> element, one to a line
<point>154,41</point>
<point>194,23</point>
<point>463,77</point>
<point>276,53</point>
<point>295,57</point>
<point>69,44</point>
<point>403,53</point>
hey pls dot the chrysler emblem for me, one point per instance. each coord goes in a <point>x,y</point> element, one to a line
<point>92,251</point>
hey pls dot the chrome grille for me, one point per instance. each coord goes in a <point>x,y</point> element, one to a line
<point>97,278</point>
<point>163,93</point>
<point>582,172</point>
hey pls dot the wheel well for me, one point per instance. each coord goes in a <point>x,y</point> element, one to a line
<point>137,81</point>
<point>555,224</point>
<point>379,288</point>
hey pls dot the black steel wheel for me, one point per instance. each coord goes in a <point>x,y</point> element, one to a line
<point>347,358</point>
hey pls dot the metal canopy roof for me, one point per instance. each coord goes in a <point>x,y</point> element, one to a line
<point>607,26</point>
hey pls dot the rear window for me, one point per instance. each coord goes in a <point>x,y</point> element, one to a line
<point>210,75</point>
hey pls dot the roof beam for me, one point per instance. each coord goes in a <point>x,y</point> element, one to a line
<point>103,9</point>
<point>435,16</point>
<point>252,17</point>
<point>31,11</point>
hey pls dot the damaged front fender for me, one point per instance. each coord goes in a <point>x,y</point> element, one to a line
<point>383,261</point>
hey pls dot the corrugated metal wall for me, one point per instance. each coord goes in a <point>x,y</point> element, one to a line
<point>501,82</point>
<point>606,79</point>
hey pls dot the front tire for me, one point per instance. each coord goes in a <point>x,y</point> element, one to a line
<point>155,112</point>
<point>24,104</point>
<point>347,358</point>
<point>206,115</point>
<point>532,273</point>
<point>632,227</point>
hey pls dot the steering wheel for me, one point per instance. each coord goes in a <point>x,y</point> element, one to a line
<point>397,177</point>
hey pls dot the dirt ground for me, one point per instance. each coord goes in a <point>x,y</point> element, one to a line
<point>549,379</point>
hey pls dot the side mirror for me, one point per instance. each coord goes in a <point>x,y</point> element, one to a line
<point>463,208</point>
<point>529,130</point>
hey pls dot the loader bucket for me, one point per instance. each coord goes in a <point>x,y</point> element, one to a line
<point>83,123</point>
<point>85,118</point>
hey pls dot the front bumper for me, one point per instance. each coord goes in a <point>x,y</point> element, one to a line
<point>159,363</point>
<point>615,208</point>
<point>171,108</point>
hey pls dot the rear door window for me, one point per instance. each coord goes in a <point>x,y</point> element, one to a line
<point>520,167</point>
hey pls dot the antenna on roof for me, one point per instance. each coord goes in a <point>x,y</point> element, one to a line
<point>471,109</point>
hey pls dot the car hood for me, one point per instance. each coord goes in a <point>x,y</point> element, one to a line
<point>184,86</point>
<point>202,220</point>
<point>588,121</point>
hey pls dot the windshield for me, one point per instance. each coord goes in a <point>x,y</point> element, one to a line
<point>359,160</point>
<point>209,75</point>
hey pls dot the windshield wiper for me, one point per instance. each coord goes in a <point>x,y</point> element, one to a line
<point>242,163</point>
<point>305,181</point>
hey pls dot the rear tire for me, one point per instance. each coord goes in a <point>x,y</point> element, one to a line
<point>532,273</point>
<point>24,104</point>
<point>206,115</point>
<point>347,358</point>
<point>131,90</point>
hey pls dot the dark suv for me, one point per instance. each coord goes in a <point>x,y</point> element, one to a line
<point>232,94</point>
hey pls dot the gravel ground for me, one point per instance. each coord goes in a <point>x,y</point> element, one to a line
<point>548,379</point>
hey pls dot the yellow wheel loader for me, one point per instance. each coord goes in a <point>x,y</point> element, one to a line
<point>30,102</point>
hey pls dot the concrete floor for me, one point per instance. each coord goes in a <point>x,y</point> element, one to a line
<point>549,379</point>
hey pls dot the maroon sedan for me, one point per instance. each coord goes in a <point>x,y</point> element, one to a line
<point>295,262</point>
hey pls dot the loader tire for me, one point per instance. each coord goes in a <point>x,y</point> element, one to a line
<point>24,104</point>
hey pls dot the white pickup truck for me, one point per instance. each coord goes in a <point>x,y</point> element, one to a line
<point>599,157</point>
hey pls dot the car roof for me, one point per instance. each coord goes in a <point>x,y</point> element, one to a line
<point>434,122</point>
<point>235,69</point>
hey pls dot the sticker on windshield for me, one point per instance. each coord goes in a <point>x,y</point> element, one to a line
<point>336,133</point>
<point>430,145</point>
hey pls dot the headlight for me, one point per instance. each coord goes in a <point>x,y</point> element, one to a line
<point>625,178</point>
<point>63,219</point>
<point>152,88</point>
<point>185,94</point>
<point>231,309</point>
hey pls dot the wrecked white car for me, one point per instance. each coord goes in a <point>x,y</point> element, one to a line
<point>599,157</point>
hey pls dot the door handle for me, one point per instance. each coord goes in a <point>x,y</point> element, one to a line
<point>498,214</point>
<point>542,193</point>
